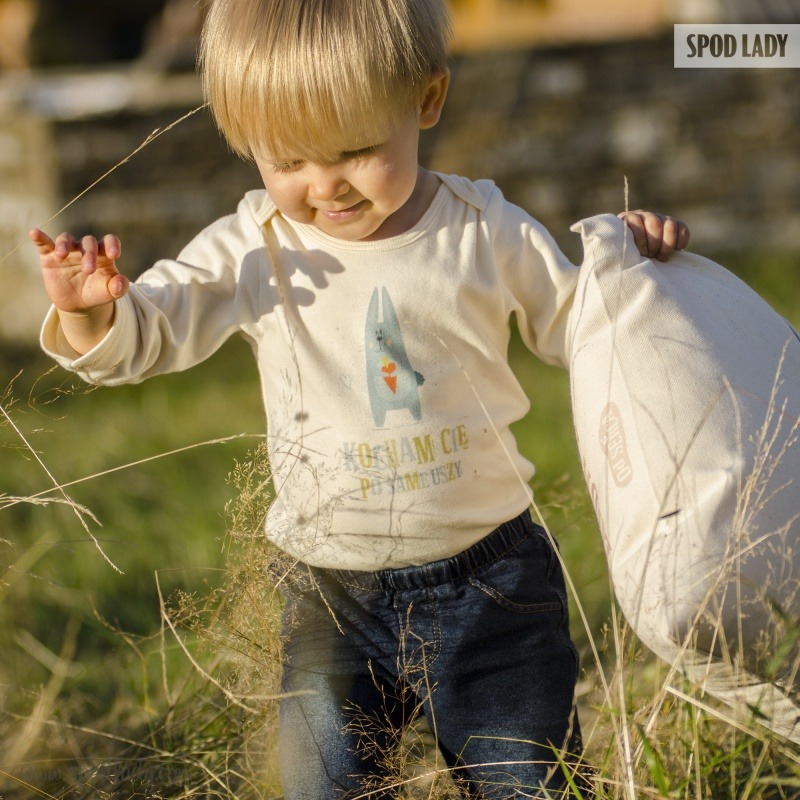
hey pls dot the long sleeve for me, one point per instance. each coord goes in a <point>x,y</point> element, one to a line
<point>179,312</point>
<point>540,279</point>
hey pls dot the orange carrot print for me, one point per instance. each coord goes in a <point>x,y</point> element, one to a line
<point>390,376</point>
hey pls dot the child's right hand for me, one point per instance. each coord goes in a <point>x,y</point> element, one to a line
<point>83,282</point>
<point>80,277</point>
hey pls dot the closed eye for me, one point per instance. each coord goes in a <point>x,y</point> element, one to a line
<point>364,152</point>
<point>287,166</point>
<point>347,155</point>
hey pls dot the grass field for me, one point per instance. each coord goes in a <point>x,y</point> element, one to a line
<point>91,678</point>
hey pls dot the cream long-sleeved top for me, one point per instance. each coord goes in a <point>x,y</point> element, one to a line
<point>383,364</point>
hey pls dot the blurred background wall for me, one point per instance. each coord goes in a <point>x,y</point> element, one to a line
<point>557,100</point>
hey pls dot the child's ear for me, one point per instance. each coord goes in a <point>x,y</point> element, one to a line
<point>431,108</point>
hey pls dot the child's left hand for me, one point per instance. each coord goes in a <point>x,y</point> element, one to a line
<point>656,235</point>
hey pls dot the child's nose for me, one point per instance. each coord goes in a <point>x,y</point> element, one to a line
<point>328,184</point>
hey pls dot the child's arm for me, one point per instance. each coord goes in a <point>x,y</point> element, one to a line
<point>82,281</point>
<point>656,235</point>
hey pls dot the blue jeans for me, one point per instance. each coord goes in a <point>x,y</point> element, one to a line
<point>480,642</point>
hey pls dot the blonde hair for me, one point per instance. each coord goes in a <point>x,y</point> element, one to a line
<point>301,78</point>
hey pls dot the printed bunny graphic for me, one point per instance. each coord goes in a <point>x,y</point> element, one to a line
<point>391,380</point>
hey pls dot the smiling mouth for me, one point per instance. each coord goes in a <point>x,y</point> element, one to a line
<point>343,214</point>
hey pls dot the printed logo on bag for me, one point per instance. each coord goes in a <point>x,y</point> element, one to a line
<point>613,444</point>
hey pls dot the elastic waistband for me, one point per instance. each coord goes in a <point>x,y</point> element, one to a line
<point>492,547</point>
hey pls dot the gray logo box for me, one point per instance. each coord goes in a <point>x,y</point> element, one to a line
<point>736,46</point>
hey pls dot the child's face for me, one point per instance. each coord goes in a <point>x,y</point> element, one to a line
<point>371,191</point>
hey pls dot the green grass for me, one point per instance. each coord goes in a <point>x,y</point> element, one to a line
<point>165,514</point>
<point>86,642</point>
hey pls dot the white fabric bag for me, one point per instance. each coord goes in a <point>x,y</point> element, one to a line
<point>686,404</point>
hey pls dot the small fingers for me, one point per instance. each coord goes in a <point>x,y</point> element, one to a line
<point>63,245</point>
<point>118,286</point>
<point>43,242</point>
<point>675,236</point>
<point>654,228</point>
<point>634,221</point>
<point>656,235</point>
<point>669,239</point>
<point>86,252</point>
<point>683,235</point>
<point>110,247</point>
<point>107,249</point>
<point>89,248</point>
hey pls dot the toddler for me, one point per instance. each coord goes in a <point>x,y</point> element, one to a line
<point>376,296</point>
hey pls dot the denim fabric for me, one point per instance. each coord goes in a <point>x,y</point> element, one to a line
<point>479,641</point>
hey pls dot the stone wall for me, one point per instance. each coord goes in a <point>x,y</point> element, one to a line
<point>558,129</point>
<point>27,197</point>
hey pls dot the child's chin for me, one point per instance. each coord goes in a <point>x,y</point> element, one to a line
<point>355,232</point>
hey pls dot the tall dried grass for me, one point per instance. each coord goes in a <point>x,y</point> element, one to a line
<point>202,721</point>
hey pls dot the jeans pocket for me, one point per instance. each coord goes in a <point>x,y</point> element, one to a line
<point>516,599</point>
<point>522,580</point>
